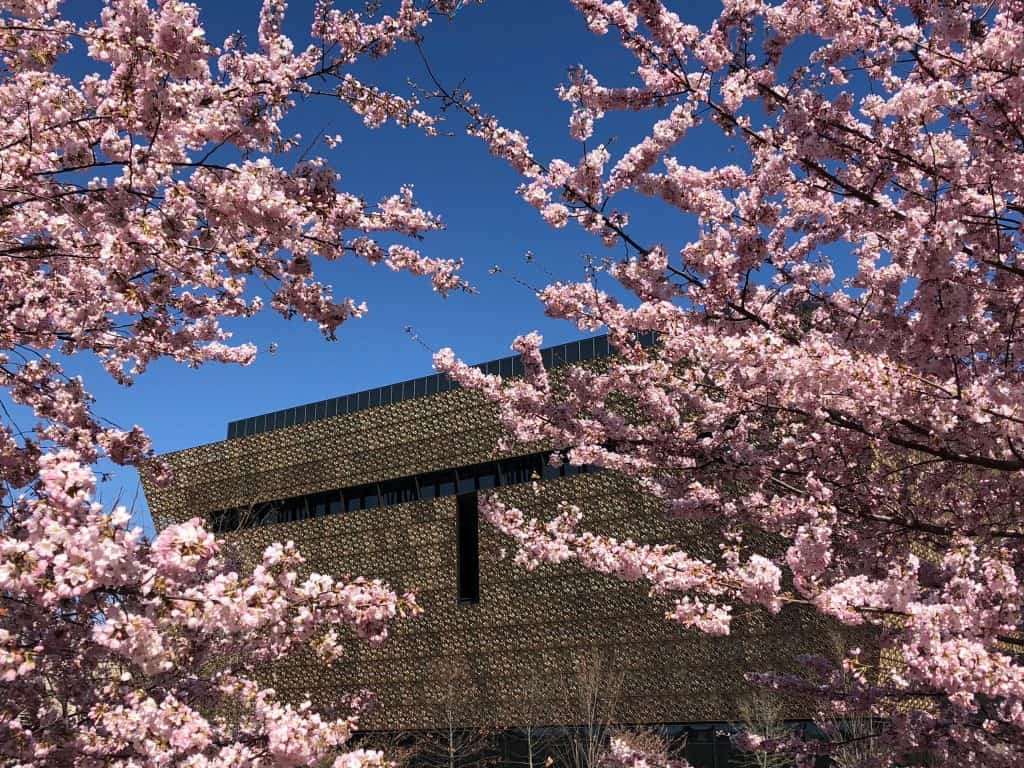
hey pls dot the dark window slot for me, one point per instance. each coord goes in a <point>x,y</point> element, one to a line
<point>371,498</point>
<point>437,484</point>
<point>486,476</point>
<point>427,487</point>
<point>353,502</point>
<point>467,480</point>
<point>293,510</point>
<point>323,504</point>
<point>398,491</point>
<point>521,470</point>
<point>268,515</point>
<point>468,552</point>
<point>226,521</point>
<point>362,497</point>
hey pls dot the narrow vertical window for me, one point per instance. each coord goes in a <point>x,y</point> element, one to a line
<point>468,552</point>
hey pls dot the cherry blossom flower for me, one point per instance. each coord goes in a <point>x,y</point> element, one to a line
<point>836,378</point>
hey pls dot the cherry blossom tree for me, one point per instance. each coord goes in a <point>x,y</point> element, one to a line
<point>137,206</point>
<point>839,345</point>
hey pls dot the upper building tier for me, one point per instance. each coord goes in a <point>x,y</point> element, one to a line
<point>554,356</point>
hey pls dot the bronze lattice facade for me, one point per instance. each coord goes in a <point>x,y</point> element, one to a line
<point>509,658</point>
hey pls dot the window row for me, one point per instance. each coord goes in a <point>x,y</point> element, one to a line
<point>449,482</point>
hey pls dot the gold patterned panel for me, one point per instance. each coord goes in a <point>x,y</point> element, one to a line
<point>516,655</point>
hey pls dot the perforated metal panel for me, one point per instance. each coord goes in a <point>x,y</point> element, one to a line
<point>526,625</point>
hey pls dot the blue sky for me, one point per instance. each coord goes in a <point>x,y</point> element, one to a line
<point>512,54</point>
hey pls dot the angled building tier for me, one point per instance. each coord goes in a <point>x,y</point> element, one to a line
<point>385,483</point>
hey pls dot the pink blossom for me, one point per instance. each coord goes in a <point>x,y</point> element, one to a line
<point>835,381</point>
<point>130,234</point>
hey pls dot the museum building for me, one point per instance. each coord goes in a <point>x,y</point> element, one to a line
<point>385,483</point>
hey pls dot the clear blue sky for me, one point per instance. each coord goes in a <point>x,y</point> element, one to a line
<point>512,54</point>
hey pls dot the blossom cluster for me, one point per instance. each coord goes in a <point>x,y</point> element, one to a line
<point>167,638</point>
<point>126,235</point>
<point>142,207</point>
<point>623,754</point>
<point>836,383</point>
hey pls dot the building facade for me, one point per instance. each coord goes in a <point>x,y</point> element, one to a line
<point>385,484</point>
